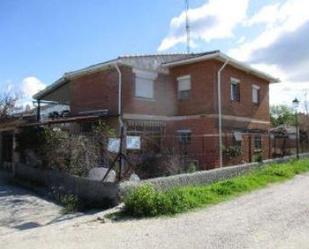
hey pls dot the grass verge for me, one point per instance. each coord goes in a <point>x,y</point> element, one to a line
<point>145,201</point>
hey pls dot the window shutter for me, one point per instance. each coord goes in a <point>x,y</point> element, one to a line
<point>144,83</point>
<point>144,88</point>
<point>184,87</point>
<point>184,84</point>
<point>255,94</point>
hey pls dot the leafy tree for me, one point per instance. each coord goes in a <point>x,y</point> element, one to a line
<point>281,114</point>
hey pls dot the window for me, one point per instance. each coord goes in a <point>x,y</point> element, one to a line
<point>258,142</point>
<point>184,87</point>
<point>237,138</point>
<point>255,94</point>
<point>144,84</point>
<point>235,90</point>
<point>184,136</point>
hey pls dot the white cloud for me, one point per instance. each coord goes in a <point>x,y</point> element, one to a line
<point>216,19</point>
<point>281,49</point>
<point>24,90</point>
<point>31,85</point>
<point>284,93</point>
<point>278,20</point>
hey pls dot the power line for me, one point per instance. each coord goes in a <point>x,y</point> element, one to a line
<point>188,26</point>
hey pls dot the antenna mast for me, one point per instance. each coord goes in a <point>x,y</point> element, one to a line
<point>188,26</point>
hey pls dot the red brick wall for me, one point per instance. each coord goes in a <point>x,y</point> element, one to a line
<point>202,148</point>
<point>202,88</point>
<point>244,108</point>
<point>99,90</point>
<point>204,91</point>
<point>204,145</point>
<point>164,102</point>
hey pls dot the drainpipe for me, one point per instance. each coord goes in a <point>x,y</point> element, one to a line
<point>119,95</point>
<point>122,147</point>
<point>220,113</point>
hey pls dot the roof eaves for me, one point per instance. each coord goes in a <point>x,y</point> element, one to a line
<point>50,88</point>
<point>223,57</point>
<point>69,75</point>
<point>193,59</point>
<point>246,67</point>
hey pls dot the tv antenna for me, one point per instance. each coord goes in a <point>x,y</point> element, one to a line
<point>188,26</point>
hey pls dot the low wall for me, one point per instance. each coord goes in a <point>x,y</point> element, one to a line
<point>96,192</point>
<point>202,177</point>
<point>102,193</point>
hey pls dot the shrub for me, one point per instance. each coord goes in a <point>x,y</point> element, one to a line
<point>144,201</point>
<point>258,158</point>
<point>232,152</point>
<point>59,148</point>
<point>71,203</point>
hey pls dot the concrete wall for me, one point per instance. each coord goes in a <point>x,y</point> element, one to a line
<point>100,193</point>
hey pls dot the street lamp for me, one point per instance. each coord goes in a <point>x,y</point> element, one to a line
<point>295,106</point>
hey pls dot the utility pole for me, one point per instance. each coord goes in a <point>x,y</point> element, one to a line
<point>188,26</point>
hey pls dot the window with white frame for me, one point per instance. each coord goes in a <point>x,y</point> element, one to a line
<point>235,90</point>
<point>184,87</point>
<point>144,84</point>
<point>255,94</point>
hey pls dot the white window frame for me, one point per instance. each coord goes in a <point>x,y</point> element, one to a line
<point>144,77</point>
<point>186,89</point>
<point>234,81</point>
<point>256,90</point>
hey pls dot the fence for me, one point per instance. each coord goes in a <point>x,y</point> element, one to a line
<point>76,147</point>
<point>169,155</point>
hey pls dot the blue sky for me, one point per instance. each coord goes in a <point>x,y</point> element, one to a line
<point>40,40</point>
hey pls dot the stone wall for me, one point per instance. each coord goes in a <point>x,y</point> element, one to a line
<point>109,194</point>
<point>202,177</point>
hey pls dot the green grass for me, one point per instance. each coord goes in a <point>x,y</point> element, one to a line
<point>145,201</point>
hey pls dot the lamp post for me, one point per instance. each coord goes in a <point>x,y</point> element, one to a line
<point>295,106</point>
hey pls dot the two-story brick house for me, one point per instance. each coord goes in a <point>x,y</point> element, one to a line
<point>176,95</point>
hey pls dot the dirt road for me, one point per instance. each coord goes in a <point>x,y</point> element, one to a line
<point>275,217</point>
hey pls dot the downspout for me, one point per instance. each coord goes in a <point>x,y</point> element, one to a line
<point>220,113</point>
<point>119,96</point>
<point>122,132</point>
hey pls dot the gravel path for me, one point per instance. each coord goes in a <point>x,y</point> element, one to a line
<point>275,217</point>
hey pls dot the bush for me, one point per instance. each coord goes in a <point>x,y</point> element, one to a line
<point>232,152</point>
<point>59,148</point>
<point>258,158</point>
<point>144,201</point>
<point>71,203</point>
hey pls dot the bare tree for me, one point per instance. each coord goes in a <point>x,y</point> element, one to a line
<point>7,104</point>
